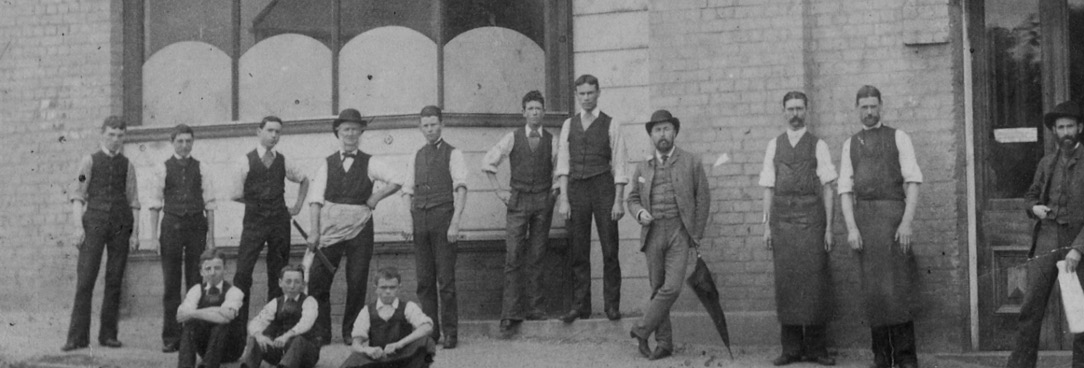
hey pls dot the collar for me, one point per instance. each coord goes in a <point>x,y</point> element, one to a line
<point>795,135</point>
<point>109,153</point>
<point>594,112</point>
<point>878,125</point>
<point>178,157</point>
<point>380,305</point>
<point>294,299</point>
<point>219,286</point>
<point>1073,152</point>
<point>527,129</point>
<point>658,155</point>
<point>436,145</point>
<point>355,152</point>
<point>260,151</point>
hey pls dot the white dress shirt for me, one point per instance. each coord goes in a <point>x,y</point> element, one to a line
<point>457,167</point>
<point>293,172</point>
<point>908,164</point>
<point>826,171</point>
<point>618,156</point>
<point>412,313</point>
<point>158,185</point>
<point>267,315</point>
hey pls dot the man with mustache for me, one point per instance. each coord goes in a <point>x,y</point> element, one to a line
<point>878,187</point>
<point>671,199</point>
<point>1056,200</point>
<point>797,177</point>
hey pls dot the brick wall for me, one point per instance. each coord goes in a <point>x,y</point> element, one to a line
<point>57,84</point>
<point>723,66</point>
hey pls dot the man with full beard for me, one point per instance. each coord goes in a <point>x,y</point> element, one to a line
<point>878,188</point>
<point>797,177</point>
<point>1056,200</point>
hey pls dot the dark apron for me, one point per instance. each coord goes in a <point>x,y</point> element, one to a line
<point>888,275</point>
<point>802,281</point>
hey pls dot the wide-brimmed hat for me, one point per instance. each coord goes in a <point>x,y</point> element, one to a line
<point>348,116</point>
<point>662,116</point>
<point>1067,109</point>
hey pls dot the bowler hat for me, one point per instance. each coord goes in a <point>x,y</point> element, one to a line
<point>1067,109</point>
<point>662,116</point>
<point>348,116</point>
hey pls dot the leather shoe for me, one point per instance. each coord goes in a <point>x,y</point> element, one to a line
<point>823,360</point>
<point>536,316</point>
<point>613,314</point>
<point>507,326</point>
<point>660,353</point>
<point>171,347</point>
<point>450,342</point>
<point>641,343</point>
<point>110,343</point>
<point>571,316</point>
<point>72,346</point>
<point>784,360</point>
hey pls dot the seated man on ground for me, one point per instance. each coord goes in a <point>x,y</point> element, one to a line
<point>283,333</point>
<point>391,333</point>
<point>205,315</point>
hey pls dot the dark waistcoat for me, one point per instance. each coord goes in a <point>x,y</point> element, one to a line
<point>532,171</point>
<point>264,186</point>
<point>207,300</point>
<point>876,162</point>
<point>589,152</point>
<point>287,314</point>
<point>348,187</point>
<point>432,176</point>
<point>107,189</point>
<point>796,167</point>
<point>383,332</point>
<point>183,191</point>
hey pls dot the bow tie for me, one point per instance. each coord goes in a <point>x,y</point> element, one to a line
<point>350,155</point>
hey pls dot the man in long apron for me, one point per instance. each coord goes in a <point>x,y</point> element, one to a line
<point>878,186</point>
<point>341,211</point>
<point>1056,198</point>
<point>797,178</point>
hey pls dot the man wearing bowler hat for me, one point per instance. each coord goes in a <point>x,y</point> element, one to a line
<point>797,177</point>
<point>670,198</point>
<point>878,186</point>
<point>342,204</point>
<point>1056,200</point>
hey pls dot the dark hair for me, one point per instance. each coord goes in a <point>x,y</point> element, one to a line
<point>292,268</point>
<point>115,122</point>
<point>210,254</point>
<point>270,118</point>
<point>388,273</point>
<point>432,111</point>
<point>588,79</point>
<point>181,129</point>
<point>795,95</point>
<point>867,91</point>
<point>533,96</point>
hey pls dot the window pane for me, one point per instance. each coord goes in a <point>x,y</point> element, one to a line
<point>523,16</point>
<point>171,21</point>
<point>1013,35</point>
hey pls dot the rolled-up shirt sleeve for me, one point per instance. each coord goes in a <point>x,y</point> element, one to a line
<point>318,186</point>
<point>257,325</point>
<point>846,171</point>
<point>562,150</point>
<point>767,170</point>
<point>240,173</point>
<point>82,179</point>
<point>234,298</point>
<point>191,299</point>
<point>210,194</point>
<point>619,156</point>
<point>361,324</point>
<point>908,163</point>
<point>294,172</point>
<point>498,152</point>
<point>308,316</point>
<point>415,316</point>
<point>380,170</point>
<point>158,184</point>
<point>826,171</point>
<point>457,167</point>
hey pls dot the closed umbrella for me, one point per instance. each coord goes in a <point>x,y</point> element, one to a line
<point>703,285</point>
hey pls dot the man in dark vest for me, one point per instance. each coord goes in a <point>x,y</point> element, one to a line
<point>104,205</point>
<point>389,332</point>
<point>260,184</point>
<point>182,188</point>
<point>205,315</point>
<point>797,178</point>
<point>878,187</point>
<point>342,204</point>
<point>1056,200</point>
<point>592,175</point>
<point>671,199</point>
<point>282,334</point>
<point>437,193</point>
<point>532,152</point>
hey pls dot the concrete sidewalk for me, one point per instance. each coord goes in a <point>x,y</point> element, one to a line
<point>34,341</point>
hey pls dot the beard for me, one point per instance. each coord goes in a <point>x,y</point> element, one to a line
<point>1068,142</point>
<point>664,145</point>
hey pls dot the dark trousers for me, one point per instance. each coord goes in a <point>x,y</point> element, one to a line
<point>270,228</point>
<point>204,338</point>
<point>299,352</point>
<point>589,197</point>
<point>358,252</point>
<point>104,231</point>
<point>1042,276</point>
<point>894,345</point>
<point>434,260</point>
<point>182,240</point>
<point>804,341</point>
<point>528,227</point>
<point>418,354</point>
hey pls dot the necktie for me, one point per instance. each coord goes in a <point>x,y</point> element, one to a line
<point>664,157</point>
<point>213,291</point>
<point>533,139</point>
<point>268,158</point>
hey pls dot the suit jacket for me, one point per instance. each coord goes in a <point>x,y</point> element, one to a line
<point>690,188</point>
